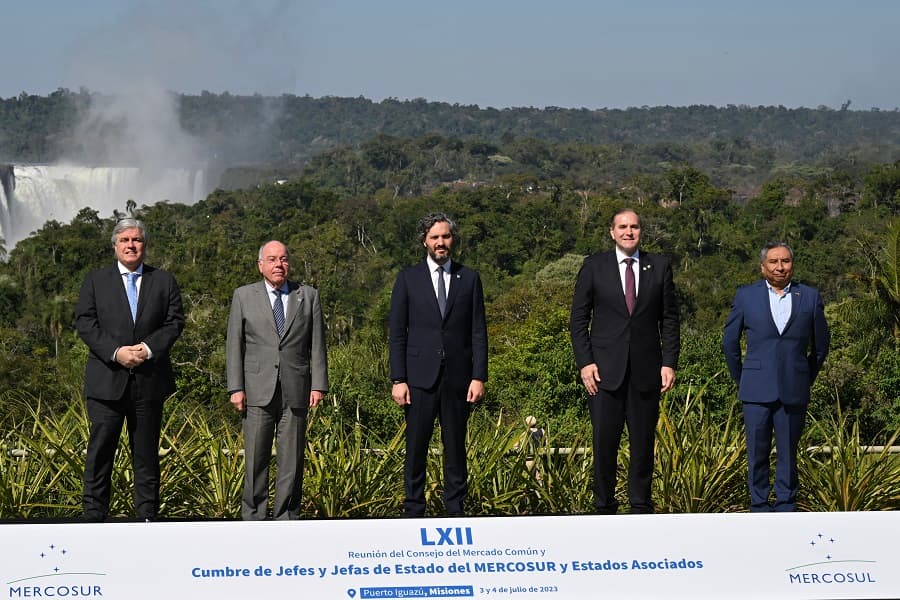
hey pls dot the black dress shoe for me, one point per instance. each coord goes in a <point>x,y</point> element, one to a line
<point>92,518</point>
<point>606,511</point>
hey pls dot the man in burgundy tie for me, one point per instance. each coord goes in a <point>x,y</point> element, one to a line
<point>624,329</point>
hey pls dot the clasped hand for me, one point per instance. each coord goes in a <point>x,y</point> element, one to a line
<point>131,356</point>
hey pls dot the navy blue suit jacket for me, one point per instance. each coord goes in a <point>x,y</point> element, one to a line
<point>420,341</point>
<point>776,366</point>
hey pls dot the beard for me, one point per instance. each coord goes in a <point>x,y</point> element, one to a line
<point>439,259</point>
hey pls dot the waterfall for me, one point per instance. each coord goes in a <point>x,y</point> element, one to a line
<point>6,189</point>
<point>31,195</point>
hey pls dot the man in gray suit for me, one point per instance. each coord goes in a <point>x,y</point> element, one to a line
<point>277,368</point>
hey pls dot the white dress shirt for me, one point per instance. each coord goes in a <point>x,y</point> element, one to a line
<point>284,296</point>
<point>123,270</point>
<point>636,267</point>
<point>432,268</point>
<point>780,305</point>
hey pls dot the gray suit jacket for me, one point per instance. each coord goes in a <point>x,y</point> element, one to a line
<point>256,357</point>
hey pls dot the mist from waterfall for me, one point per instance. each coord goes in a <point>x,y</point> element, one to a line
<point>128,145</point>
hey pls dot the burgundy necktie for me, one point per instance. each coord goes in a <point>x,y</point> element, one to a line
<point>630,293</point>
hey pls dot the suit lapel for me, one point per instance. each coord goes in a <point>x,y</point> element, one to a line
<point>795,305</point>
<point>147,282</point>
<point>424,277</point>
<point>293,306</point>
<point>615,280</point>
<point>766,305</point>
<point>262,304</point>
<point>115,279</point>
<point>117,284</point>
<point>453,291</point>
<point>645,267</point>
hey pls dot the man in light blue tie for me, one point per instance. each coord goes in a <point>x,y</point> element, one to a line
<point>132,292</point>
<point>277,369</point>
<point>129,314</point>
<point>787,342</point>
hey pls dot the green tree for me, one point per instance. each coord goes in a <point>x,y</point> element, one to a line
<point>874,315</point>
<point>882,186</point>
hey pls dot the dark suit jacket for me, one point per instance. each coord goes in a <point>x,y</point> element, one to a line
<point>604,333</point>
<point>777,366</point>
<point>103,320</point>
<point>256,357</point>
<point>420,340</point>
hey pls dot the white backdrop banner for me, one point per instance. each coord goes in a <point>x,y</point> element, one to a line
<point>801,555</point>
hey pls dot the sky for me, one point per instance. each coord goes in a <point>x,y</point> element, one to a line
<point>512,53</point>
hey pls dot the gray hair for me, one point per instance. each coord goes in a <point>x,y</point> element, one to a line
<point>259,256</point>
<point>429,221</point>
<point>772,245</point>
<point>128,223</point>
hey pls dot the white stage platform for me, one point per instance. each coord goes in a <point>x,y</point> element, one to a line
<point>801,555</point>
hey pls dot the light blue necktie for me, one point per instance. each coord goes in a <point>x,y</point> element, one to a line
<point>278,311</point>
<point>132,291</point>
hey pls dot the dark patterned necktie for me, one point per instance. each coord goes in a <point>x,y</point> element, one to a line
<point>278,311</point>
<point>441,291</point>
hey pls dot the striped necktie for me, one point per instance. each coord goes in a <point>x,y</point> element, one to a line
<point>278,311</point>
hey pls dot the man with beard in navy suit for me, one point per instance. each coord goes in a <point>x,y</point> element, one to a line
<point>438,349</point>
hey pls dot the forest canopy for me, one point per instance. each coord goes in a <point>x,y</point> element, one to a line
<point>533,191</point>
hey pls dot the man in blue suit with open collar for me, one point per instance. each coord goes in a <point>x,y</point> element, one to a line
<point>438,349</point>
<point>787,342</point>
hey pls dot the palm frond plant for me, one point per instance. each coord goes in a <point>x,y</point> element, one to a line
<point>42,465</point>
<point>345,477</point>
<point>845,474</point>
<point>202,467</point>
<point>701,463</point>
